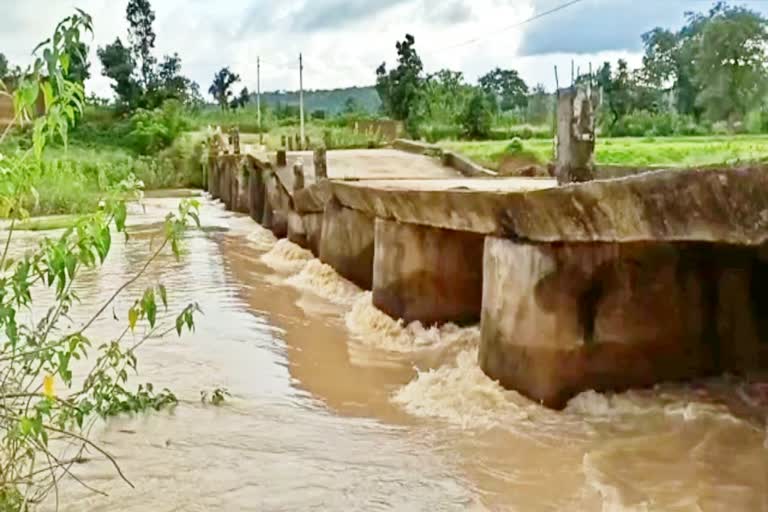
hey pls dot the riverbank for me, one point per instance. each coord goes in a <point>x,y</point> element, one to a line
<point>629,151</point>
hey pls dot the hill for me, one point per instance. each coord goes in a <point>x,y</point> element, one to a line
<point>331,101</point>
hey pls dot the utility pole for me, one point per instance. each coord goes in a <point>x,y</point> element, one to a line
<point>301,94</point>
<point>258,93</point>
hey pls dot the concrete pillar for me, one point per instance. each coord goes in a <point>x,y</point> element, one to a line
<point>561,319</point>
<point>307,143</point>
<point>290,143</point>
<point>213,178</point>
<point>320,158</point>
<point>297,139</point>
<point>282,141</point>
<point>236,140</point>
<point>282,158</point>
<point>279,205</point>
<point>427,274</point>
<point>225,180</point>
<point>313,228</point>
<point>256,191</point>
<point>242,188</point>
<point>298,175</point>
<point>575,135</point>
<point>347,243</point>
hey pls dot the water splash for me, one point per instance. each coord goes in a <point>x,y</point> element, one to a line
<point>322,280</point>
<point>286,256</point>
<point>377,329</point>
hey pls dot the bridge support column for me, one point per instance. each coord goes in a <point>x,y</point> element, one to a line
<point>256,193</point>
<point>241,187</point>
<point>213,177</point>
<point>313,228</point>
<point>561,319</point>
<point>427,274</point>
<point>226,172</point>
<point>278,205</point>
<point>347,243</point>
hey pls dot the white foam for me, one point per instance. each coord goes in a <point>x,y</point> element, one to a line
<point>463,395</point>
<point>261,237</point>
<point>377,329</point>
<point>323,280</point>
<point>612,497</point>
<point>287,257</point>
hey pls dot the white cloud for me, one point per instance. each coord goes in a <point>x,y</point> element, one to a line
<point>347,41</point>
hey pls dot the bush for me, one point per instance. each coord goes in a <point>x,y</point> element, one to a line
<point>647,124</point>
<point>478,116</point>
<point>154,130</point>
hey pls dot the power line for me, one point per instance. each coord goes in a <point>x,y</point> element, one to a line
<point>510,27</point>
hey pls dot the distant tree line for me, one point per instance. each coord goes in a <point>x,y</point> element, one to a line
<point>711,70</point>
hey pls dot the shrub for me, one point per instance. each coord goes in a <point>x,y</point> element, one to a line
<point>154,130</point>
<point>477,117</point>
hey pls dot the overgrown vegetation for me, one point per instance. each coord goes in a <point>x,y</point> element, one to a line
<point>47,403</point>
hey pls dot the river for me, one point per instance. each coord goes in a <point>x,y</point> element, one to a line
<point>336,407</point>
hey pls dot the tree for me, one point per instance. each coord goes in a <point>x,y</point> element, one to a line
<point>142,38</point>
<point>399,88</point>
<point>241,100</point>
<point>540,105</point>
<point>477,118</point>
<point>117,64</point>
<point>351,106</point>
<point>507,86</point>
<point>616,87</point>
<point>730,63</point>
<point>220,89</point>
<point>444,96</point>
<point>171,84</point>
<point>3,66</point>
<point>79,67</point>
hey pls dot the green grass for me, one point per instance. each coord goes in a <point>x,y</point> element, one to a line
<point>636,151</point>
<point>74,180</point>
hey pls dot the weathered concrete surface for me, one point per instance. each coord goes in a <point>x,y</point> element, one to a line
<point>257,194</point>
<point>213,177</point>
<point>296,232</point>
<point>575,135</point>
<point>313,228</point>
<point>241,198</point>
<point>347,243</point>
<point>426,274</point>
<point>278,203</point>
<point>561,319</point>
<point>728,206</point>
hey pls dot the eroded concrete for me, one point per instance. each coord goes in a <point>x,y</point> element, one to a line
<point>347,243</point>
<point>429,275</point>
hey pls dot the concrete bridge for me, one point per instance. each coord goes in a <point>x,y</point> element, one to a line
<point>603,285</point>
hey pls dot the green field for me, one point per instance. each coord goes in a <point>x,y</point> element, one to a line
<point>635,152</point>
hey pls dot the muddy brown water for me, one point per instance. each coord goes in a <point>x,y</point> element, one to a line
<point>336,407</point>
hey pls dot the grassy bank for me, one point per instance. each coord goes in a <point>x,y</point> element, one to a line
<point>635,151</point>
<point>75,179</point>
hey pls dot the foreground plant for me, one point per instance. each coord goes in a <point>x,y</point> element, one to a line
<point>39,422</point>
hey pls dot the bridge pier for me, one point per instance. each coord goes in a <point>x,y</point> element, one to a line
<point>256,193</point>
<point>347,243</point>
<point>427,274</point>
<point>241,199</point>
<point>559,319</point>
<point>313,228</point>
<point>278,205</point>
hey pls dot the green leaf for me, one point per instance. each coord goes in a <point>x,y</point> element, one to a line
<point>133,317</point>
<point>163,295</point>
<point>120,216</point>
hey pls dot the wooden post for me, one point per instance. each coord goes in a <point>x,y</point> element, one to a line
<point>321,164</point>
<point>575,135</point>
<point>290,143</point>
<point>282,141</point>
<point>236,140</point>
<point>298,142</point>
<point>307,145</point>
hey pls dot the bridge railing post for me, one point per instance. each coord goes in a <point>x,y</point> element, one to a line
<point>575,135</point>
<point>320,159</point>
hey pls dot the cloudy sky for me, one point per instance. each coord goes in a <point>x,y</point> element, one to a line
<point>343,41</point>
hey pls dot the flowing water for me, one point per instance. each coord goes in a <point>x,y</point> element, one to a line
<point>337,407</point>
